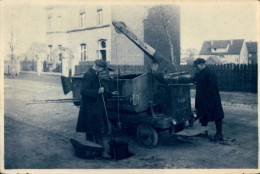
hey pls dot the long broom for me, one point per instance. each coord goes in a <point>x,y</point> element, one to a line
<point>108,125</point>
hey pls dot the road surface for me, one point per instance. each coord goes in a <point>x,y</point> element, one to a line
<point>37,136</point>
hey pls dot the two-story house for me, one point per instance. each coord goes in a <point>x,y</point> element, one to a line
<point>225,51</point>
<point>87,33</point>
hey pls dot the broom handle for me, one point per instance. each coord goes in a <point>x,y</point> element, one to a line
<point>109,128</point>
<point>103,99</point>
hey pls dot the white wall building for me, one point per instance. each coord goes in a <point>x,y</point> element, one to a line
<point>87,31</point>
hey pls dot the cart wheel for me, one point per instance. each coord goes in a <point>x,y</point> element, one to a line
<point>147,136</point>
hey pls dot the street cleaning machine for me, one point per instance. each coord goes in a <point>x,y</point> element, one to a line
<point>154,102</point>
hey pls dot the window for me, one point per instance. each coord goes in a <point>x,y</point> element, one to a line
<point>82,19</point>
<point>219,50</point>
<point>83,48</point>
<point>102,46</point>
<point>250,55</point>
<point>59,23</point>
<point>237,60</point>
<point>99,17</point>
<point>50,57</point>
<point>49,23</point>
<point>60,54</point>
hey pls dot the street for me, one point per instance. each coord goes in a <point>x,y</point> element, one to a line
<point>37,135</point>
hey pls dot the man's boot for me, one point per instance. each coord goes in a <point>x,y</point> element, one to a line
<point>203,121</point>
<point>99,140</point>
<point>89,137</point>
<point>218,136</point>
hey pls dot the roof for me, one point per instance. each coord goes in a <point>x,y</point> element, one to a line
<point>234,48</point>
<point>251,47</point>
<point>220,44</point>
<point>213,60</point>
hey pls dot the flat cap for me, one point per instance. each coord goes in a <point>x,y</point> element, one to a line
<point>199,61</point>
<point>101,63</point>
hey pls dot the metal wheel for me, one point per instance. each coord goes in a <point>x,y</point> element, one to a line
<point>147,136</point>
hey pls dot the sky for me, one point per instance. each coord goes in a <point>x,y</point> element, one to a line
<point>218,22</point>
<point>28,24</point>
<point>199,22</point>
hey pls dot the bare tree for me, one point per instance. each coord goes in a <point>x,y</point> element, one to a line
<point>162,30</point>
<point>165,21</point>
<point>12,45</point>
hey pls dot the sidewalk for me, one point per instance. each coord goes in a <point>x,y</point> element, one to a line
<point>235,97</point>
<point>47,77</point>
<point>42,73</point>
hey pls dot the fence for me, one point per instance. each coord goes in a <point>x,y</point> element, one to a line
<point>230,77</point>
<point>28,65</point>
<point>122,68</point>
<point>12,67</point>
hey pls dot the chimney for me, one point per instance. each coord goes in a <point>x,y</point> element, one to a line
<point>211,42</point>
<point>231,42</point>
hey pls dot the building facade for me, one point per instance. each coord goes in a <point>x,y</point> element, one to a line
<point>87,33</point>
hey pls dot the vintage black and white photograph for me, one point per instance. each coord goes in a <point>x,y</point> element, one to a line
<point>100,85</point>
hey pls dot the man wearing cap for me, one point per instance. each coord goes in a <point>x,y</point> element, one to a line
<point>207,100</point>
<point>92,119</point>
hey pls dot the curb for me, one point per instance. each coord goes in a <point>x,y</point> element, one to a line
<point>42,73</point>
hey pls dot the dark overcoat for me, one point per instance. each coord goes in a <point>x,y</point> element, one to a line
<point>207,100</point>
<point>92,118</point>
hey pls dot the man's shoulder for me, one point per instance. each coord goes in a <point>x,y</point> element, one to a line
<point>89,72</point>
<point>209,70</point>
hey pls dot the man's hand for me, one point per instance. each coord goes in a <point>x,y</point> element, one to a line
<point>101,90</point>
<point>115,93</point>
<point>154,67</point>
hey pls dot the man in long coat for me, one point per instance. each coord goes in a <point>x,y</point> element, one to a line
<point>92,118</point>
<point>207,100</point>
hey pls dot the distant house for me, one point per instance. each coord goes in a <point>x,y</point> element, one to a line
<point>252,52</point>
<point>227,51</point>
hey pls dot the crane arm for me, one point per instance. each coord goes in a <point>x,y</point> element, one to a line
<point>163,63</point>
